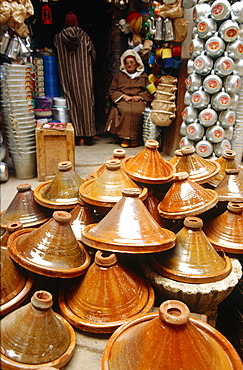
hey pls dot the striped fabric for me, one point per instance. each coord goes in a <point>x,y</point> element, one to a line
<point>76,56</point>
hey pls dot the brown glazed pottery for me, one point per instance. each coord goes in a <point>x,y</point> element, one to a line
<point>148,166</point>
<point>24,208</point>
<point>106,296</point>
<point>51,250</point>
<point>106,189</point>
<point>82,216</point>
<point>128,228</point>
<point>117,154</point>
<point>230,187</point>
<point>151,203</point>
<point>62,192</point>
<point>169,339</point>
<point>226,230</point>
<point>34,335</point>
<point>186,198</point>
<point>200,170</point>
<point>226,160</point>
<point>193,259</point>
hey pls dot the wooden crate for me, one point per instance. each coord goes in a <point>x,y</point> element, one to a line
<point>52,147</point>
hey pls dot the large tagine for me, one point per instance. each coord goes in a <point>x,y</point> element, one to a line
<point>169,339</point>
<point>51,250</point>
<point>230,187</point>
<point>148,166</point>
<point>200,170</point>
<point>35,335</point>
<point>106,296</point>
<point>226,230</point>
<point>24,208</point>
<point>62,192</point>
<point>226,161</point>
<point>186,198</point>
<point>193,259</point>
<point>128,228</point>
<point>106,189</point>
<point>117,154</point>
<point>16,283</point>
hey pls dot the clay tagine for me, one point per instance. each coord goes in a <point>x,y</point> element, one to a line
<point>193,259</point>
<point>148,166</point>
<point>62,192</point>
<point>118,153</point>
<point>231,187</point>
<point>35,335</point>
<point>129,228</point>
<point>51,250</point>
<point>177,156</point>
<point>226,230</point>
<point>200,170</point>
<point>186,198</point>
<point>106,189</point>
<point>82,216</point>
<point>169,339</point>
<point>23,208</point>
<point>105,297</point>
<point>226,161</point>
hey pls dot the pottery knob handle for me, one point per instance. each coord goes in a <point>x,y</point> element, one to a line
<point>193,222</point>
<point>64,166</point>
<point>119,153</point>
<point>235,207</point>
<point>23,187</point>
<point>181,176</point>
<point>152,144</point>
<point>42,300</point>
<point>229,154</point>
<point>174,312</point>
<point>105,259</point>
<point>14,226</point>
<point>113,164</point>
<point>62,216</point>
<point>188,149</point>
<point>131,192</point>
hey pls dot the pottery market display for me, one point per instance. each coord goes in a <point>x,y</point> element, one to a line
<point>62,192</point>
<point>35,335</point>
<point>169,339</point>
<point>128,228</point>
<point>105,297</point>
<point>51,250</point>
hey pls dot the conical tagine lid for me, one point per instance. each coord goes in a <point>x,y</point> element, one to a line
<point>226,161</point>
<point>177,156</point>
<point>24,208</point>
<point>186,198</point>
<point>226,230</point>
<point>82,216</point>
<point>106,296</point>
<point>128,227</point>
<point>34,335</point>
<point>51,250</point>
<point>200,170</point>
<point>193,259</point>
<point>117,154</point>
<point>169,339</point>
<point>231,187</point>
<point>148,166</point>
<point>62,192</point>
<point>106,189</point>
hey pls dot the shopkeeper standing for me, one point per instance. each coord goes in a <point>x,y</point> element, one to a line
<point>76,57</point>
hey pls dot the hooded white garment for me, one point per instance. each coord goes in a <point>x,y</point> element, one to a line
<point>140,67</point>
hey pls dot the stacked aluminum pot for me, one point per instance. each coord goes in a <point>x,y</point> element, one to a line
<point>214,81</point>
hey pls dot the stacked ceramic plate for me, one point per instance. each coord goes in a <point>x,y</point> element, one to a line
<point>237,142</point>
<point>19,119</point>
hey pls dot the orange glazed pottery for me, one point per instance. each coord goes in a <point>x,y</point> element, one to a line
<point>35,335</point>
<point>193,259</point>
<point>106,296</point>
<point>148,166</point>
<point>177,156</point>
<point>169,339</point>
<point>51,250</point>
<point>106,189</point>
<point>226,230</point>
<point>82,216</point>
<point>117,154</point>
<point>24,208</point>
<point>226,160</point>
<point>62,192</point>
<point>186,198</point>
<point>230,187</point>
<point>129,228</point>
<point>200,170</point>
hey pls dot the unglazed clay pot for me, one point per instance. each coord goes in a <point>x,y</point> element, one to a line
<point>148,166</point>
<point>200,170</point>
<point>186,198</point>
<point>82,216</point>
<point>128,228</point>
<point>117,154</point>
<point>34,335</point>
<point>62,192</point>
<point>169,339</point>
<point>226,230</point>
<point>106,296</point>
<point>24,208</point>
<point>51,250</point>
<point>193,259</point>
<point>231,187</point>
<point>226,160</point>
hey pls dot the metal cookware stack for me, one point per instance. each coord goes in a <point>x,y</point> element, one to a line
<point>19,119</point>
<point>60,110</point>
<point>210,119</point>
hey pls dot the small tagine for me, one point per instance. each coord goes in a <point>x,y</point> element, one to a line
<point>231,187</point>
<point>51,250</point>
<point>62,192</point>
<point>117,154</point>
<point>106,296</point>
<point>35,335</point>
<point>226,161</point>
